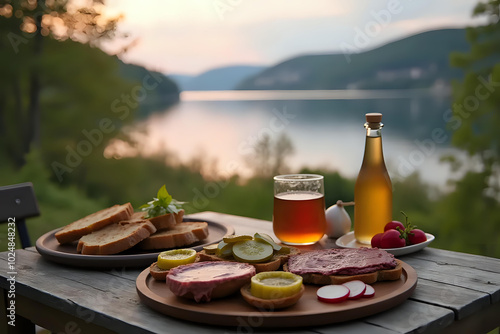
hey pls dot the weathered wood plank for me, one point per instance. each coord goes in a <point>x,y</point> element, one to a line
<point>241,224</point>
<point>463,302</point>
<point>470,278</point>
<point>413,317</point>
<point>459,259</point>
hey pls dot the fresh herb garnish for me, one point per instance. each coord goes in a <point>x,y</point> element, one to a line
<point>161,205</point>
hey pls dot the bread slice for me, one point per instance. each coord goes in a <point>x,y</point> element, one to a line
<point>368,278</point>
<point>163,222</point>
<point>115,238</point>
<point>94,222</point>
<point>182,234</point>
<point>273,264</point>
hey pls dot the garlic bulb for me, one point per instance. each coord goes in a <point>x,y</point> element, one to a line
<point>338,221</point>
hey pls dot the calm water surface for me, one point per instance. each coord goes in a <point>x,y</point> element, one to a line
<point>325,127</point>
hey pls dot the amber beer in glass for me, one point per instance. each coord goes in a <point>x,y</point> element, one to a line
<point>299,208</point>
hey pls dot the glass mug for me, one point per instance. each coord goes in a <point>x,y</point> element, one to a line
<point>299,209</point>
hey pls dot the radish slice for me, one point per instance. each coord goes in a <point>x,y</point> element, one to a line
<point>332,293</point>
<point>357,289</point>
<point>369,292</point>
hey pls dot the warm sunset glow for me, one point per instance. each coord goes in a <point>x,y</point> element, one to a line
<point>193,36</point>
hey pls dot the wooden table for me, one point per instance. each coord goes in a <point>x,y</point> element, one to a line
<point>456,293</point>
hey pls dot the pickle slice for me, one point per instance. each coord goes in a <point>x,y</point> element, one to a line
<point>211,249</point>
<point>267,238</point>
<point>224,249</point>
<point>175,257</point>
<point>275,284</point>
<point>236,238</point>
<point>252,251</point>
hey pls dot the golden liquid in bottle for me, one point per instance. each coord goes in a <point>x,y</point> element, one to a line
<point>372,193</point>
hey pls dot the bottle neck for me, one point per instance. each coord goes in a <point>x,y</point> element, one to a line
<point>373,148</point>
<point>374,129</point>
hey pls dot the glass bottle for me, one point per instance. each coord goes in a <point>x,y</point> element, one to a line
<point>373,189</point>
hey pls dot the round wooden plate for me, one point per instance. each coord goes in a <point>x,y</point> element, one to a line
<point>308,311</point>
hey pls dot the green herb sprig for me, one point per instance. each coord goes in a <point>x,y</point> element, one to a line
<point>162,204</point>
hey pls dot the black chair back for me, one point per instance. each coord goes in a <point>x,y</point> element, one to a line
<point>18,202</point>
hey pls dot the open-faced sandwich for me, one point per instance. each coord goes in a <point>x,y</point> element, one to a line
<point>337,266</point>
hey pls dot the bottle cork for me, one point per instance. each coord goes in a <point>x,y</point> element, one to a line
<point>374,117</point>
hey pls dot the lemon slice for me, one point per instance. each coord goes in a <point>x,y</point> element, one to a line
<point>267,238</point>
<point>175,257</point>
<point>275,284</point>
<point>252,251</point>
<point>236,238</point>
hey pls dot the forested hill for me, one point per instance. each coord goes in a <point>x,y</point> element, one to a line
<point>417,61</point>
<point>153,90</point>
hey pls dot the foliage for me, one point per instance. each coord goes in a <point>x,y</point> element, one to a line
<point>58,206</point>
<point>470,215</point>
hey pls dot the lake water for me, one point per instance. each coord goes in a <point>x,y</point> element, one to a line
<point>220,128</point>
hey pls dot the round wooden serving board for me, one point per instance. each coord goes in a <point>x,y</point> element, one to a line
<point>235,311</point>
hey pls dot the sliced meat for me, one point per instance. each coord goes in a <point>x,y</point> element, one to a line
<point>341,261</point>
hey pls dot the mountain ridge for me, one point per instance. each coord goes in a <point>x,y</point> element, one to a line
<point>416,61</point>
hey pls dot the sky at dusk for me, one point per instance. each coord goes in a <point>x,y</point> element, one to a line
<point>192,36</point>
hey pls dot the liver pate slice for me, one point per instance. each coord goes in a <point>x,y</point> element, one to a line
<point>341,261</point>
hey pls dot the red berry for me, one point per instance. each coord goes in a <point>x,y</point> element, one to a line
<point>416,236</point>
<point>392,239</point>
<point>376,240</point>
<point>392,225</point>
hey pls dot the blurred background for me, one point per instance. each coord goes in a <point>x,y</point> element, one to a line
<point>103,102</point>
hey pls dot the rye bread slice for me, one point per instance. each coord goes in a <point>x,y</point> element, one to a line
<point>368,278</point>
<point>115,238</point>
<point>163,222</point>
<point>183,234</point>
<point>94,222</point>
<point>273,264</point>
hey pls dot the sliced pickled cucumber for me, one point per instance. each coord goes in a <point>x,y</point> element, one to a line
<point>252,251</point>
<point>275,284</point>
<point>236,238</point>
<point>284,250</point>
<point>224,249</point>
<point>175,257</point>
<point>211,249</point>
<point>267,238</point>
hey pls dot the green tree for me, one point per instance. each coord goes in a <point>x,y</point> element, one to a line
<point>26,29</point>
<point>469,218</point>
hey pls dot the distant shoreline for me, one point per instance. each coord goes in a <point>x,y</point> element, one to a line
<point>334,94</point>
